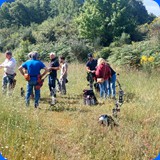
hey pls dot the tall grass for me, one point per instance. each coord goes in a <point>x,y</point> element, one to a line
<point>70,131</point>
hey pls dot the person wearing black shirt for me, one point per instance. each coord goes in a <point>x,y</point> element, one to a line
<point>53,67</point>
<point>91,68</point>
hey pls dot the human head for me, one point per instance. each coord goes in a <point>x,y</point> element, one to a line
<point>30,55</point>
<point>61,59</point>
<point>34,55</point>
<point>100,61</point>
<point>52,55</point>
<point>8,54</point>
<point>90,56</point>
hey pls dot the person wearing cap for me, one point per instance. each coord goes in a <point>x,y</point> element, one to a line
<point>91,68</point>
<point>33,67</point>
<point>53,67</point>
<point>9,66</point>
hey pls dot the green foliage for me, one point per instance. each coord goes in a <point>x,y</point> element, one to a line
<point>130,56</point>
<point>90,21</point>
<point>79,50</point>
<point>154,32</point>
<point>119,41</point>
<point>22,52</point>
<point>104,53</point>
<point>108,19</point>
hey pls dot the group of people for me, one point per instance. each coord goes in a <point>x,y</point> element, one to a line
<point>98,70</point>
<point>31,70</point>
<point>102,73</point>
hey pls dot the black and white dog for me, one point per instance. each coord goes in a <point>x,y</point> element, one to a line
<point>107,120</point>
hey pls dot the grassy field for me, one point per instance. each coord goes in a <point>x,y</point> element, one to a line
<point>70,130</point>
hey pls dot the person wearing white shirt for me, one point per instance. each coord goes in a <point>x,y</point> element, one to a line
<point>63,76</point>
<point>9,66</point>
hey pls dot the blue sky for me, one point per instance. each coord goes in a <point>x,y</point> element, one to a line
<point>152,7</point>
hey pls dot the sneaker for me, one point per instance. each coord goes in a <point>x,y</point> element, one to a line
<point>35,105</point>
<point>53,100</point>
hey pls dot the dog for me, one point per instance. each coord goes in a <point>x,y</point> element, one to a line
<point>107,120</point>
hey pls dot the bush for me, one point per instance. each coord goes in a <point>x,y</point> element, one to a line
<point>104,52</point>
<point>21,53</point>
<point>79,50</point>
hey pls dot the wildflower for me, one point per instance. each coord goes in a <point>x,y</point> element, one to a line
<point>144,59</point>
<point>151,59</point>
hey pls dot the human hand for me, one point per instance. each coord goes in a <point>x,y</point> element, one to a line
<point>93,71</point>
<point>49,69</point>
<point>1,66</point>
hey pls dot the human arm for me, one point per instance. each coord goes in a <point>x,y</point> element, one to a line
<point>98,72</point>
<point>53,68</point>
<point>8,64</point>
<point>21,70</point>
<point>45,72</point>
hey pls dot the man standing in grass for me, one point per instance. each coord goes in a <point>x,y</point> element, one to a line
<point>33,67</point>
<point>91,68</point>
<point>53,67</point>
<point>9,66</point>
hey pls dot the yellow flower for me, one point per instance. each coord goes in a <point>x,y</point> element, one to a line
<point>144,59</point>
<point>151,59</point>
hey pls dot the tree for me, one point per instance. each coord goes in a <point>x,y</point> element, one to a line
<point>110,18</point>
<point>19,14</point>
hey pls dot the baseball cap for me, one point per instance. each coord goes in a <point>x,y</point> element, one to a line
<point>90,55</point>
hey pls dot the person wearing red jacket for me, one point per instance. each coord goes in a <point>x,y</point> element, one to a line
<point>103,71</point>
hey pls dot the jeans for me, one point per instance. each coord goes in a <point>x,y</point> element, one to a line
<point>30,86</point>
<point>103,88</point>
<point>52,85</point>
<point>7,80</point>
<point>63,85</point>
<point>112,86</point>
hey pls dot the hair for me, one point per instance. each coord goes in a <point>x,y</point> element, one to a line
<point>30,55</point>
<point>34,55</point>
<point>52,53</point>
<point>8,53</point>
<point>100,61</point>
<point>62,57</point>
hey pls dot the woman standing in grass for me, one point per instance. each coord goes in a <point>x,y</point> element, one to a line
<point>103,73</point>
<point>112,83</point>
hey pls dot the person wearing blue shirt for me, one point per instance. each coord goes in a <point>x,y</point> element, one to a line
<point>33,67</point>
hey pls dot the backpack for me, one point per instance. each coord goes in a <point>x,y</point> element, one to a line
<point>89,97</point>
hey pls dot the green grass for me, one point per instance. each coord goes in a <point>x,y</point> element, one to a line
<point>70,130</point>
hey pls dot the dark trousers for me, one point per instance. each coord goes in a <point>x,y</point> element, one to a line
<point>52,85</point>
